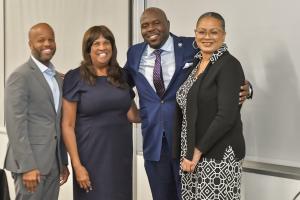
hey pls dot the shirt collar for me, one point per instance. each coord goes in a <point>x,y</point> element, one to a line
<point>168,46</point>
<point>216,55</point>
<point>41,66</point>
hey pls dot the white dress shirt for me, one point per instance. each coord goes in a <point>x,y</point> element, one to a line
<point>167,62</point>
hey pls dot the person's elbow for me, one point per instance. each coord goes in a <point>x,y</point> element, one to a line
<point>134,118</point>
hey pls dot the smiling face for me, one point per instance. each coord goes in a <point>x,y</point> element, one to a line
<point>101,52</point>
<point>42,42</point>
<point>209,35</point>
<point>154,27</point>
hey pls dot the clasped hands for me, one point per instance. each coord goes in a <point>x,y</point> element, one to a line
<point>189,165</point>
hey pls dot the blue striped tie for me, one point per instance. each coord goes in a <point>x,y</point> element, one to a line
<point>157,74</point>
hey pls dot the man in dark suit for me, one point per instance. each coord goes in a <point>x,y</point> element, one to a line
<point>35,155</point>
<point>157,100</point>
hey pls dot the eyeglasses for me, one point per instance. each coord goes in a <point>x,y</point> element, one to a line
<point>211,33</point>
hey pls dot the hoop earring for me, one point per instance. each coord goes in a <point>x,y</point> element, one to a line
<point>194,44</point>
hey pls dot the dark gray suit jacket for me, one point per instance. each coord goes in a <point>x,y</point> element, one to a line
<point>32,124</point>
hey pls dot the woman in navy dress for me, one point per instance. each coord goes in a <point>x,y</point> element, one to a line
<point>98,109</point>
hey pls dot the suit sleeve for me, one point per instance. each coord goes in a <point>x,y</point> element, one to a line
<point>127,71</point>
<point>16,111</point>
<point>177,132</point>
<point>229,80</point>
<point>63,153</point>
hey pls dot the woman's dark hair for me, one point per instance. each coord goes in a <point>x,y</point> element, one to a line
<point>214,15</point>
<point>87,72</point>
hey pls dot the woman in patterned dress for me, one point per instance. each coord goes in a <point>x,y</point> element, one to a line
<point>208,137</point>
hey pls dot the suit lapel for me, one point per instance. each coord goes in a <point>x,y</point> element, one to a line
<point>178,51</point>
<point>60,83</point>
<point>140,52</point>
<point>40,77</point>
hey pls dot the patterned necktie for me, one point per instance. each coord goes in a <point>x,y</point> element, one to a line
<point>54,87</point>
<point>157,74</point>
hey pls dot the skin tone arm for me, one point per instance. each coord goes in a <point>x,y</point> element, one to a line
<point>68,132</point>
<point>133,113</point>
<point>189,166</point>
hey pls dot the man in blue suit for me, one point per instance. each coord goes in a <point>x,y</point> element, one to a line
<point>157,109</point>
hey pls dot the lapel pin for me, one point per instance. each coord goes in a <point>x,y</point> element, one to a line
<point>179,44</point>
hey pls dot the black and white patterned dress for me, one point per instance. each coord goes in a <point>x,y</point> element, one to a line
<point>212,179</point>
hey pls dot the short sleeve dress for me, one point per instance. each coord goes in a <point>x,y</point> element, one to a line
<point>103,136</point>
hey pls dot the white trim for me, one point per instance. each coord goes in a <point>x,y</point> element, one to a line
<point>2,63</point>
<point>138,8</point>
<point>272,161</point>
<point>2,130</point>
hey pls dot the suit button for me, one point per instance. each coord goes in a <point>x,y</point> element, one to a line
<point>162,101</point>
<point>55,137</point>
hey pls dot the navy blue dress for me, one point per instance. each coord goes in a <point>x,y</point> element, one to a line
<point>103,135</point>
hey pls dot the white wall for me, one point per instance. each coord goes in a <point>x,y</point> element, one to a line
<point>143,188</point>
<point>69,19</point>
<point>1,64</point>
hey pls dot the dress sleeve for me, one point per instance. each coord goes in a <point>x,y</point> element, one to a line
<point>126,76</point>
<point>71,85</point>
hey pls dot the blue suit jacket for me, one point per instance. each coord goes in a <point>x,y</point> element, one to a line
<point>158,114</point>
